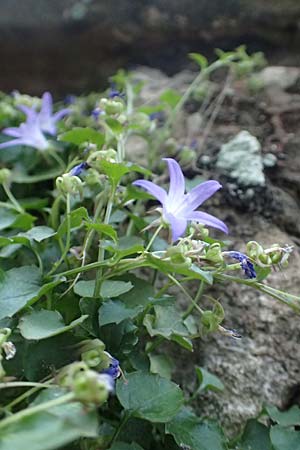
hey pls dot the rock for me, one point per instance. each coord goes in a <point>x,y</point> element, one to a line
<point>241,160</point>
<point>283,77</point>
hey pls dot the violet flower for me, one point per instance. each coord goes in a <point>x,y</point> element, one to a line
<point>114,367</point>
<point>46,118</point>
<point>77,170</point>
<point>28,133</point>
<point>179,208</point>
<point>246,264</point>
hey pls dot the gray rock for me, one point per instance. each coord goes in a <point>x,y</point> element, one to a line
<point>241,160</point>
<point>283,77</point>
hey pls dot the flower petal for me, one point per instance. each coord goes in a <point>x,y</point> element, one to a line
<point>46,108</point>
<point>29,112</point>
<point>157,192</point>
<point>12,131</point>
<point>60,114</point>
<point>177,183</point>
<point>11,143</point>
<point>199,194</point>
<point>177,224</point>
<point>208,219</point>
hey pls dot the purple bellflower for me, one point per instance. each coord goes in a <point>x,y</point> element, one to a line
<point>246,264</point>
<point>46,118</point>
<point>77,170</point>
<point>178,208</point>
<point>28,133</point>
<point>114,367</point>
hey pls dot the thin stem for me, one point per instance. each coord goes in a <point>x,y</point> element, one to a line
<point>12,199</point>
<point>28,393</point>
<point>101,248</point>
<point>196,299</point>
<point>186,293</point>
<point>123,422</point>
<point>34,409</point>
<point>15,384</point>
<point>68,238</point>
<point>154,236</point>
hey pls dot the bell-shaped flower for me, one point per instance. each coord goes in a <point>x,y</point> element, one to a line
<point>179,208</point>
<point>28,133</point>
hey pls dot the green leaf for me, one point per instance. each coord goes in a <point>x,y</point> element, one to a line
<point>189,431</point>
<point>167,267</point>
<point>11,219</point>
<point>255,437</point>
<point>77,217</point>
<point>167,322</point>
<point>20,287</point>
<point>199,59</point>
<point>116,311</point>
<point>128,245</point>
<point>102,228</point>
<point>115,171</point>
<point>115,126</point>
<point>284,418</point>
<point>171,97</point>
<point>284,438</point>
<point>162,365</point>
<point>51,429</point>
<point>208,381</point>
<point>149,397</point>
<point>7,218</point>
<point>39,233</point>
<point>44,324</point>
<point>109,288</point>
<point>79,135</point>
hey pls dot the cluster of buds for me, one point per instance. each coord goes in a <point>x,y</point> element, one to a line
<point>93,354</point>
<point>7,348</point>
<point>5,176</point>
<point>88,386</point>
<point>96,157</point>
<point>112,106</point>
<point>275,255</point>
<point>69,184</point>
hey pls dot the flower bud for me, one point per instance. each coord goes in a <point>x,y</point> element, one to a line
<point>214,253</point>
<point>253,249</point>
<point>95,158</point>
<point>187,156</point>
<point>140,121</point>
<point>91,387</point>
<point>5,175</point>
<point>68,184</point>
<point>112,106</point>
<point>177,256</point>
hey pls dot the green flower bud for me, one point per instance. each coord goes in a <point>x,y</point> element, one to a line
<point>112,106</point>
<point>187,156</point>
<point>95,158</point>
<point>5,176</point>
<point>264,259</point>
<point>214,253</point>
<point>68,184</point>
<point>92,388</point>
<point>140,121</point>
<point>253,249</point>
<point>177,256</point>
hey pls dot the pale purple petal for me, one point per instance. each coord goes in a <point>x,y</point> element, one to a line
<point>12,131</point>
<point>11,143</point>
<point>46,108</point>
<point>157,192</point>
<point>207,219</point>
<point>199,194</point>
<point>60,114</point>
<point>177,224</point>
<point>177,183</point>
<point>29,112</point>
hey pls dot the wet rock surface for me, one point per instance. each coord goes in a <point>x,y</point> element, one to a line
<point>71,46</point>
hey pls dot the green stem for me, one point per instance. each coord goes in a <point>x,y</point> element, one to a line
<point>196,299</point>
<point>154,236</point>
<point>186,293</point>
<point>15,384</point>
<point>35,409</point>
<point>101,248</point>
<point>28,393</point>
<point>12,199</point>
<point>68,238</point>
<point>123,422</point>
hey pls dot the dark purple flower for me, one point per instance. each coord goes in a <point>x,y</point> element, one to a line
<point>113,93</point>
<point>246,264</point>
<point>97,112</point>
<point>178,207</point>
<point>114,367</point>
<point>77,170</point>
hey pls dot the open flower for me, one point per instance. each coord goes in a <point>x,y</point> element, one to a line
<point>178,208</point>
<point>46,117</point>
<point>28,133</point>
